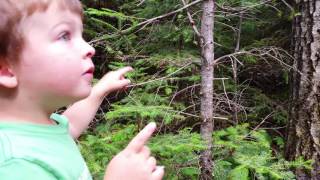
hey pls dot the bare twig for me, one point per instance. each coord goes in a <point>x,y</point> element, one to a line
<point>196,116</point>
<point>226,95</point>
<point>288,5</point>
<point>160,79</point>
<point>267,117</point>
<point>141,2</point>
<point>195,29</point>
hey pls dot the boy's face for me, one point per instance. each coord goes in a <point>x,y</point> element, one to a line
<point>55,65</point>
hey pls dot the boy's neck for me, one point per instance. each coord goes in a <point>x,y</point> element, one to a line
<point>14,110</point>
<point>18,116</point>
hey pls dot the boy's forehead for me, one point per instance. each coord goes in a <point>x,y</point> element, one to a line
<point>51,17</point>
<point>28,7</point>
<point>57,10</point>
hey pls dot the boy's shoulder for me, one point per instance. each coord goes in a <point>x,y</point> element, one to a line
<point>40,148</point>
<point>24,140</point>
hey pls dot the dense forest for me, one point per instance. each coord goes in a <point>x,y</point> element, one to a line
<point>232,84</point>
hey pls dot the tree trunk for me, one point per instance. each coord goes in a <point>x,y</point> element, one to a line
<point>206,113</point>
<point>304,121</point>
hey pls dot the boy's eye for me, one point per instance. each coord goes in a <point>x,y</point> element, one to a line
<point>66,36</point>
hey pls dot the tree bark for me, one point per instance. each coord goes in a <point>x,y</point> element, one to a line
<point>303,137</point>
<point>207,49</point>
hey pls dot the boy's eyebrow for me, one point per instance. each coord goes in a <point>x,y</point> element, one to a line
<point>68,22</point>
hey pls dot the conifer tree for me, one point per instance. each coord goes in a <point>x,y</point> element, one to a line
<point>206,111</point>
<point>304,126</point>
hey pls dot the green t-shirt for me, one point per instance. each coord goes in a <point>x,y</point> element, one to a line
<point>46,152</point>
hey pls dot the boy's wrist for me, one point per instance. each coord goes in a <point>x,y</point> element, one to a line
<point>98,95</point>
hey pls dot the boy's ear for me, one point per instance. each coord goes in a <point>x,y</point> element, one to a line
<point>7,77</point>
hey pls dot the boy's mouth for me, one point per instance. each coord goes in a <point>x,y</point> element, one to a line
<point>90,71</point>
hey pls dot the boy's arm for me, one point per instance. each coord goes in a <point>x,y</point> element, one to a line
<point>81,113</point>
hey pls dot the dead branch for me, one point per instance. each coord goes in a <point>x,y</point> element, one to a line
<point>195,29</point>
<point>162,78</point>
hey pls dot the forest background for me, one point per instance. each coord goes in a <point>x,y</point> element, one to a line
<point>253,64</point>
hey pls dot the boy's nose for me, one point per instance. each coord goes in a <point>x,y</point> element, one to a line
<point>90,51</point>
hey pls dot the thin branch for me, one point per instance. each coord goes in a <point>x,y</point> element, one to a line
<point>225,92</point>
<point>160,79</point>
<point>195,29</point>
<point>141,2</point>
<point>196,116</point>
<point>288,5</point>
<point>267,117</point>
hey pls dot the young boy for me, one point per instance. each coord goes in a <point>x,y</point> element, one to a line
<point>45,64</point>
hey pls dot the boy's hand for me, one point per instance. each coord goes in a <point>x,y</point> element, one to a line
<point>112,81</point>
<point>135,162</point>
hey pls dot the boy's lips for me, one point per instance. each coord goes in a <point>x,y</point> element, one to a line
<point>88,74</point>
<point>89,71</point>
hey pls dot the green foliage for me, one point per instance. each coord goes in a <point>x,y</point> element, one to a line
<point>104,12</point>
<point>262,106</point>
<point>166,57</point>
<point>143,112</point>
<point>152,101</point>
<point>98,148</point>
<point>153,8</point>
<point>241,172</point>
<point>178,152</point>
<point>240,153</point>
<point>248,153</point>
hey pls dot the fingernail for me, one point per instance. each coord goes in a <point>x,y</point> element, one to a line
<point>153,125</point>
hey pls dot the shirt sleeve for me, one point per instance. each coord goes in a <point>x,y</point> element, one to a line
<point>22,169</point>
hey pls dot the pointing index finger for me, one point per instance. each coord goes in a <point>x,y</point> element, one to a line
<point>141,138</point>
<point>124,70</point>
